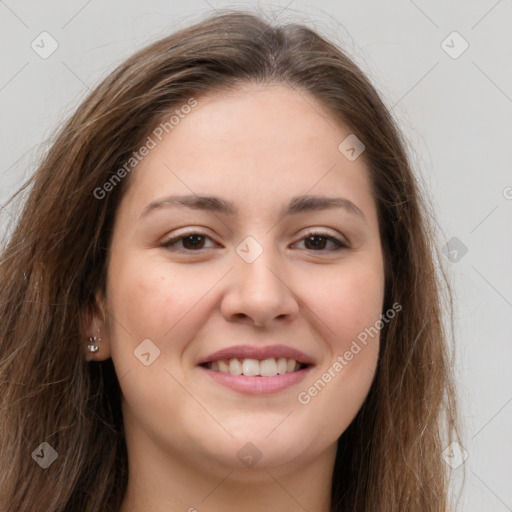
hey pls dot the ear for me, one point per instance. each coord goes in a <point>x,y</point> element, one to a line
<point>94,323</point>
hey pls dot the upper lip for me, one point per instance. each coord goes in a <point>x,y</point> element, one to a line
<point>258,352</point>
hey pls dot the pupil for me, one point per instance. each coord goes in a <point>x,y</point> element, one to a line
<point>196,241</point>
<point>195,237</point>
<point>317,245</point>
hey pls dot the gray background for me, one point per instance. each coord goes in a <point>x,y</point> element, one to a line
<point>456,114</point>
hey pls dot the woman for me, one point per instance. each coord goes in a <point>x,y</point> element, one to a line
<point>221,293</point>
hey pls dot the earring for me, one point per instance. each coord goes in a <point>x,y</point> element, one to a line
<point>92,347</point>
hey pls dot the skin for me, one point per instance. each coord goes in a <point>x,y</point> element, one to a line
<point>258,147</point>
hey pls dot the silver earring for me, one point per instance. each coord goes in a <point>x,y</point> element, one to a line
<point>92,347</point>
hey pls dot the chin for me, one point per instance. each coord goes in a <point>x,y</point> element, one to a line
<point>264,446</point>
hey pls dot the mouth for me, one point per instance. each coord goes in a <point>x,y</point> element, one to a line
<point>253,369</point>
<point>250,367</point>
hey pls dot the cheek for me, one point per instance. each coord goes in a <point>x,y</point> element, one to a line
<point>350,301</point>
<point>350,310</point>
<point>150,299</point>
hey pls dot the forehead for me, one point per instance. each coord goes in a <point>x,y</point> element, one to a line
<point>249,144</point>
<point>257,117</point>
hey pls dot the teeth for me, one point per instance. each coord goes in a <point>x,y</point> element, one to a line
<point>252,367</point>
<point>282,366</point>
<point>235,367</point>
<point>268,368</point>
<point>223,367</point>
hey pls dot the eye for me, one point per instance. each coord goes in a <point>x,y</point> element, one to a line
<point>194,242</point>
<point>317,241</point>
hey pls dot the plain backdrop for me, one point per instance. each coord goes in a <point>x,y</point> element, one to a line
<point>454,105</point>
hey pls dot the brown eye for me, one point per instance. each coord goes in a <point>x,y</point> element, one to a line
<point>194,242</point>
<point>190,242</point>
<point>318,242</point>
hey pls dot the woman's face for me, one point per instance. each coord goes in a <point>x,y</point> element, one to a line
<point>266,274</point>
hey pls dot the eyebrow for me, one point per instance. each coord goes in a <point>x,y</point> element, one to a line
<point>298,204</point>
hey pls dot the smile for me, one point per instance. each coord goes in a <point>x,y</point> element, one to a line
<point>253,368</point>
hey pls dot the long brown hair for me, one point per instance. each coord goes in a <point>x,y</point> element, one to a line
<point>54,262</point>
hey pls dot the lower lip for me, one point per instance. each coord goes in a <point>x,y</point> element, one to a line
<point>257,385</point>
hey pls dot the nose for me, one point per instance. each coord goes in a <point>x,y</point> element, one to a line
<point>258,292</point>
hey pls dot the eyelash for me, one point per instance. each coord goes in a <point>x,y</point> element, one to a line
<point>168,243</point>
